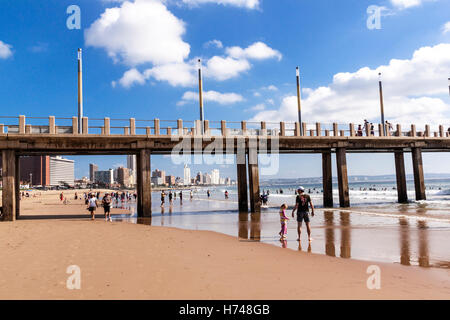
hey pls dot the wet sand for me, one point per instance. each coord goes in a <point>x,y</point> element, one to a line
<point>149,260</point>
<point>134,261</point>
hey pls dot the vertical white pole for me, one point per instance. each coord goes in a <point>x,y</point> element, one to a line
<point>80,92</point>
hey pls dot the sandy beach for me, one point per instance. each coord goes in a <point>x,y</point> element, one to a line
<point>120,260</point>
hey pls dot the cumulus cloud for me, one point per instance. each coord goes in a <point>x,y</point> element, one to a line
<point>446,28</point>
<point>258,51</point>
<point>404,4</point>
<point>143,31</point>
<point>213,43</point>
<point>213,96</point>
<point>130,78</point>
<point>226,68</point>
<point>412,89</point>
<point>5,50</point>
<point>249,4</point>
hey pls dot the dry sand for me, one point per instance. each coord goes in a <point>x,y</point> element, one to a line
<point>127,261</point>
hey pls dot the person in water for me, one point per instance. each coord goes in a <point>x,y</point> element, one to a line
<point>302,204</point>
<point>283,221</point>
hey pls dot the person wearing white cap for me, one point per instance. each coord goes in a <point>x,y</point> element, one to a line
<point>302,204</point>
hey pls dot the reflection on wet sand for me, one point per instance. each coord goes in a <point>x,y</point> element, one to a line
<point>329,233</point>
<point>345,234</point>
<point>255,226</point>
<point>424,259</point>
<point>243,225</point>
<point>405,254</point>
<point>300,246</point>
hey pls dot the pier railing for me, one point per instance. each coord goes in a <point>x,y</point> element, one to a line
<point>158,127</point>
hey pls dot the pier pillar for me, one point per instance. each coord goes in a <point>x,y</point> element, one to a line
<point>144,187</point>
<point>9,190</point>
<point>327,180</point>
<point>253,177</point>
<point>419,180</point>
<point>241,164</point>
<point>401,177</point>
<point>341,159</point>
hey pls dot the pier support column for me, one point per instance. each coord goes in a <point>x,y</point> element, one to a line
<point>401,177</point>
<point>419,180</point>
<point>17,186</point>
<point>253,177</point>
<point>144,187</point>
<point>341,159</point>
<point>241,164</point>
<point>327,180</point>
<point>9,191</point>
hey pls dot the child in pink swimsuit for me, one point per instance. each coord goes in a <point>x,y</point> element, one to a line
<point>283,220</point>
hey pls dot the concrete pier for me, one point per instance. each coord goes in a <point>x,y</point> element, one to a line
<point>327,180</point>
<point>241,164</point>
<point>253,177</point>
<point>9,191</point>
<point>341,159</point>
<point>144,188</point>
<point>401,177</point>
<point>419,181</point>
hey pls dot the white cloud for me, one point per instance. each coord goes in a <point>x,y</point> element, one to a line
<point>5,50</point>
<point>258,51</point>
<point>249,4</point>
<point>258,107</point>
<point>139,32</point>
<point>130,78</point>
<point>212,96</point>
<point>446,28</point>
<point>221,68</point>
<point>411,90</point>
<point>213,43</point>
<point>404,4</point>
<point>270,101</point>
<point>176,74</point>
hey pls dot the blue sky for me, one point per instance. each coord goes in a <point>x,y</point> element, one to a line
<point>249,68</point>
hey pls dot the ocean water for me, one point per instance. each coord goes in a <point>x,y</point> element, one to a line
<point>374,228</point>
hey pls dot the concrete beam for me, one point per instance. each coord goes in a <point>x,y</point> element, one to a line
<point>341,159</point>
<point>401,177</point>
<point>9,191</point>
<point>419,181</point>
<point>327,180</point>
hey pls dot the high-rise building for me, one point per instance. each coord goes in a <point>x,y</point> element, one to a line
<point>61,171</point>
<point>215,176</point>
<point>170,180</point>
<point>104,177</point>
<point>47,171</point>
<point>123,176</point>
<point>131,162</point>
<point>207,178</point>
<point>92,169</point>
<point>187,175</point>
<point>159,174</point>
<point>199,178</point>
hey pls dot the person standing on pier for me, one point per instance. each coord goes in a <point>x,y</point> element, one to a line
<point>302,204</point>
<point>360,131</point>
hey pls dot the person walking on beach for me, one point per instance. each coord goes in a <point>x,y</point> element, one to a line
<point>181,197</point>
<point>226,194</point>
<point>61,196</point>
<point>170,197</point>
<point>163,195</point>
<point>191,195</point>
<point>302,203</point>
<point>92,206</point>
<point>106,201</point>
<point>283,221</point>
<point>208,193</point>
